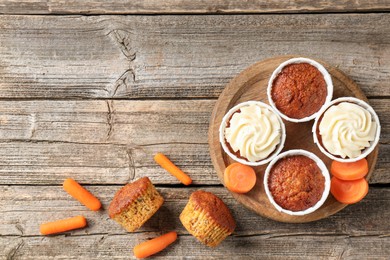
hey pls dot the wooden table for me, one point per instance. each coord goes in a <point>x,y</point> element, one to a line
<point>93,91</point>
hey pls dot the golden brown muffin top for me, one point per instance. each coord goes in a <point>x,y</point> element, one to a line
<point>299,90</point>
<point>296,183</point>
<point>127,195</point>
<point>214,208</point>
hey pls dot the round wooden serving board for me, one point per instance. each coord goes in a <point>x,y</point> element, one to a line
<point>251,84</point>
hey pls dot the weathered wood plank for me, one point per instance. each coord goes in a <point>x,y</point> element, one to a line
<point>121,122</point>
<point>120,247</point>
<point>360,230</point>
<point>171,56</point>
<point>39,203</point>
<point>46,163</point>
<point>188,7</point>
<point>50,163</point>
<point>113,121</point>
<point>112,142</point>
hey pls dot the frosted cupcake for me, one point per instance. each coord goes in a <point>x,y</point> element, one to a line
<point>347,129</point>
<point>252,133</point>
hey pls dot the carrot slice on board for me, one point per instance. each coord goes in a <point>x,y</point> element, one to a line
<point>348,192</point>
<point>154,245</point>
<point>239,178</point>
<point>349,171</point>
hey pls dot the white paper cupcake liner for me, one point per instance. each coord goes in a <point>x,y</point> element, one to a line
<point>222,140</point>
<point>324,72</point>
<point>324,172</point>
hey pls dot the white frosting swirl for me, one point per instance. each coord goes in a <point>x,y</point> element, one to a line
<point>254,131</point>
<point>346,129</point>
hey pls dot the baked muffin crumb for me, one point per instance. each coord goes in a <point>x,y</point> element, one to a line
<point>135,203</point>
<point>299,90</point>
<point>207,218</point>
<point>296,183</point>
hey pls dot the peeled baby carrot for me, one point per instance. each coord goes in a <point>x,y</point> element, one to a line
<point>164,162</point>
<point>349,171</point>
<point>348,192</point>
<point>239,178</point>
<point>154,245</point>
<point>81,194</point>
<point>63,225</point>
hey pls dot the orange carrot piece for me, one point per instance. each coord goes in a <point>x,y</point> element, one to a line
<point>63,225</point>
<point>348,192</point>
<point>154,245</point>
<point>349,171</point>
<point>164,162</point>
<point>239,178</point>
<point>81,194</point>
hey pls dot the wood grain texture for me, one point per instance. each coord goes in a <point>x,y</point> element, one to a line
<point>49,62</point>
<point>188,6</point>
<point>120,121</point>
<point>43,163</point>
<point>112,121</point>
<point>120,247</point>
<point>346,233</point>
<point>178,56</point>
<point>112,142</point>
<point>39,203</point>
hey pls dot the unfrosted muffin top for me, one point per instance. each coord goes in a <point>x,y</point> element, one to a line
<point>127,195</point>
<point>299,90</point>
<point>296,183</point>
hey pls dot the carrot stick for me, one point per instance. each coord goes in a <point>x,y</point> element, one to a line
<point>348,192</point>
<point>81,194</point>
<point>63,225</point>
<point>164,162</point>
<point>349,171</point>
<point>154,245</point>
<point>239,178</point>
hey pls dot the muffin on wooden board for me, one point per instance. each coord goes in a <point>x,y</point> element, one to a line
<point>298,89</point>
<point>296,182</point>
<point>207,218</point>
<point>135,203</point>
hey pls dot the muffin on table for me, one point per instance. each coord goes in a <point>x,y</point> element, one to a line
<point>135,203</point>
<point>207,218</point>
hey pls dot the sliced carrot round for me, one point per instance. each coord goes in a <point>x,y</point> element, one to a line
<point>349,171</point>
<point>349,192</point>
<point>239,178</point>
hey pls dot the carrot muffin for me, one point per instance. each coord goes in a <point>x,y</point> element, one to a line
<point>299,90</point>
<point>207,218</point>
<point>346,129</point>
<point>296,183</point>
<point>253,132</point>
<point>135,203</point>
